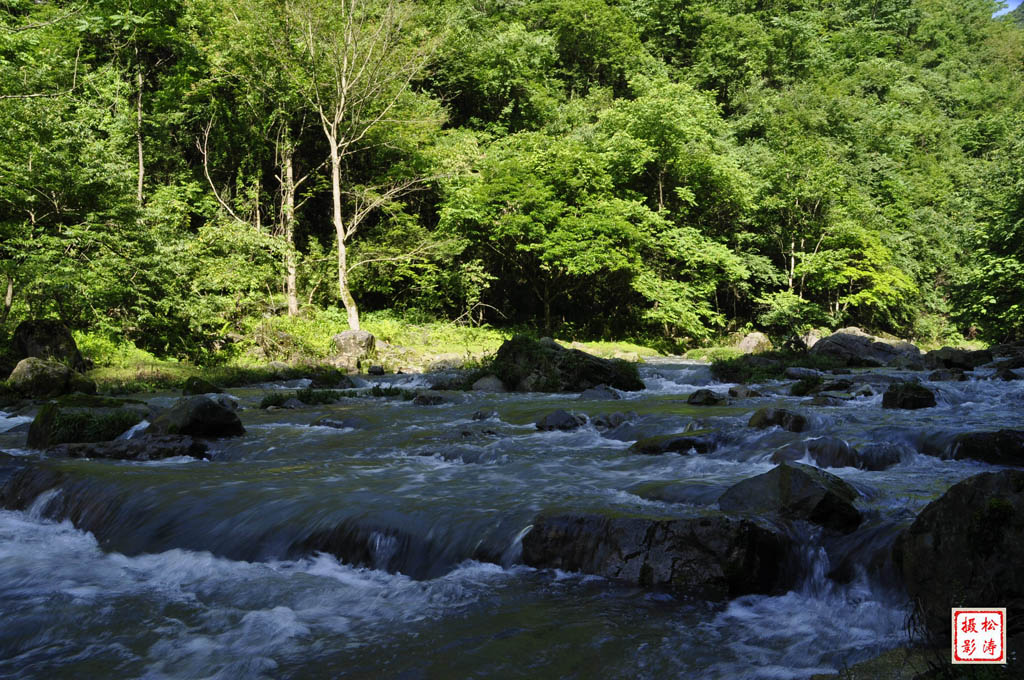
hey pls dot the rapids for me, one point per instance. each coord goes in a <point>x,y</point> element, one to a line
<point>392,548</point>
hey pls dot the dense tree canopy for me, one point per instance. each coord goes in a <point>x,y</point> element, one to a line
<point>678,168</point>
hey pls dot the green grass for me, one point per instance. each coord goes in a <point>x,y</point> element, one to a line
<point>713,353</point>
<point>411,344</point>
<point>753,368</point>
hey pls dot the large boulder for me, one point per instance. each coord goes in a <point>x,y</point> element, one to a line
<point>489,383</point>
<point>908,395</point>
<point>199,416</point>
<point>755,342</point>
<point>952,357</point>
<point>787,420</point>
<point>714,556</point>
<point>1003,447</point>
<point>857,348</point>
<point>797,492</point>
<point>140,448</point>
<point>528,365</point>
<point>47,339</point>
<point>699,441</point>
<point>966,549</point>
<point>56,424</point>
<point>42,379</point>
<point>352,347</point>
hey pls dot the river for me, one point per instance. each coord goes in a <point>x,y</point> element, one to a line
<point>208,569</point>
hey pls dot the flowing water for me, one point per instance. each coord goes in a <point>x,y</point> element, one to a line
<point>211,569</point>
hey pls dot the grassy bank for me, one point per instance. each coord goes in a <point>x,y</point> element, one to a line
<point>282,348</point>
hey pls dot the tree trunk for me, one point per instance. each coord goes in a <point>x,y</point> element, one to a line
<point>792,263</point>
<point>138,126</point>
<point>8,299</point>
<point>339,228</point>
<point>288,227</point>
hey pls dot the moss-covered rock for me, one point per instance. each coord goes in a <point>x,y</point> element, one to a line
<point>42,379</point>
<point>56,424</point>
<point>528,365</point>
<point>195,385</point>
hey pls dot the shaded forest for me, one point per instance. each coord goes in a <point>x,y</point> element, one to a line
<point>174,172</point>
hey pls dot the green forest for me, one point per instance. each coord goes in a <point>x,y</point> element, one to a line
<point>180,174</point>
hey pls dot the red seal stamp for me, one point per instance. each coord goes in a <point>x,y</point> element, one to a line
<point>979,635</point>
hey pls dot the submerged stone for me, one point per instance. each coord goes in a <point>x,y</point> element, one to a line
<point>600,392</point>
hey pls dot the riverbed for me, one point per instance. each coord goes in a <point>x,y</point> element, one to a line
<point>187,568</point>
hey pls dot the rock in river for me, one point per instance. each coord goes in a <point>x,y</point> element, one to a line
<point>795,491</point>
<point>787,420</point>
<point>56,424</point>
<point>561,420</point>
<point>141,448</point>
<point>1004,447</point>
<point>908,395</point>
<point>199,416</point>
<point>528,365</point>
<point>699,441</point>
<point>966,549</point>
<point>705,397</point>
<point>857,348</point>
<point>41,379</point>
<point>715,556</point>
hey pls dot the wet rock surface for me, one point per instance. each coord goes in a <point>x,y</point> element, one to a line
<point>908,395</point>
<point>714,556</point>
<point>698,441</point>
<point>794,491</point>
<point>1003,447</point>
<point>561,420</point>
<point>156,447</point>
<point>965,549</point>
<point>199,416</point>
<point>769,417</point>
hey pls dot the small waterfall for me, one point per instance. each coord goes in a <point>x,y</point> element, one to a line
<point>37,510</point>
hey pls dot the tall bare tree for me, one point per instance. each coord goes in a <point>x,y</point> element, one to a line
<point>358,58</point>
